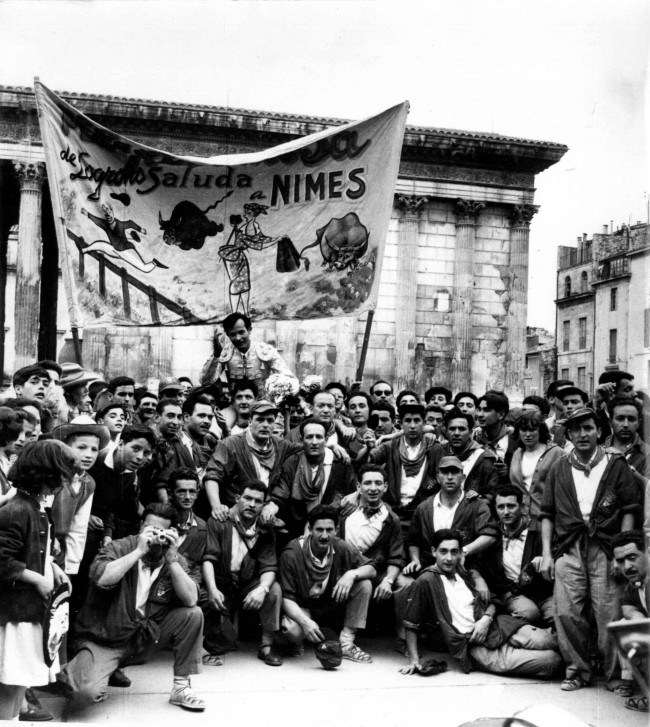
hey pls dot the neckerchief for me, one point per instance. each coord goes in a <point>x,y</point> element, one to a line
<point>412,467</point>
<point>316,573</point>
<point>308,488</point>
<point>470,447</point>
<point>609,442</point>
<point>370,511</point>
<point>492,443</point>
<point>266,457</point>
<point>249,537</point>
<point>593,462</point>
<point>183,528</point>
<point>509,535</point>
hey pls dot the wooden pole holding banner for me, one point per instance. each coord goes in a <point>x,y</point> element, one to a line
<point>364,346</point>
<point>77,345</point>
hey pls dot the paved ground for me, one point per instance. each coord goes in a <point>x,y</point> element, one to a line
<point>246,692</point>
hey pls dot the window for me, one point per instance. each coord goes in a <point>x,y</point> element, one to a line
<point>646,327</point>
<point>567,286</point>
<point>583,282</point>
<point>564,374</point>
<point>582,333</point>
<point>613,295</point>
<point>566,334</point>
<point>613,341</point>
<point>441,301</point>
<point>582,377</point>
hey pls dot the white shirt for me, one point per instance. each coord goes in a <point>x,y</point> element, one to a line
<point>410,485</point>
<point>443,516</point>
<point>362,532</point>
<point>182,537</point>
<point>513,552</point>
<point>146,578</point>
<point>529,462</point>
<point>469,463</point>
<point>461,603</point>
<point>586,486</point>
<point>239,548</point>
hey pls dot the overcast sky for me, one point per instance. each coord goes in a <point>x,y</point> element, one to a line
<point>573,72</point>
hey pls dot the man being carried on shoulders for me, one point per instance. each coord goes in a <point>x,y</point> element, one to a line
<point>242,357</point>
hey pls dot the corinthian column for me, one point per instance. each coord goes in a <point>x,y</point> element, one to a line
<point>467,213</point>
<point>411,208</point>
<point>515,358</point>
<point>28,263</point>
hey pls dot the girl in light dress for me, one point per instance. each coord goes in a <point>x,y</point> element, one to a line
<point>28,574</point>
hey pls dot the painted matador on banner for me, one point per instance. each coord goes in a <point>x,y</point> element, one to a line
<point>293,232</point>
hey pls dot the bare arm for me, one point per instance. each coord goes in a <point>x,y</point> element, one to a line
<point>414,656</point>
<point>547,568</point>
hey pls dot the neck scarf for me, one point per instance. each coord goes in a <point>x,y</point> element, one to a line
<point>509,535</point>
<point>249,537</point>
<point>370,511</point>
<point>184,527</point>
<point>412,467</point>
<point>470,447</point>
<point>308,488</point>
<point>593,462</point>
<point>316,573</point>
<point>266,457</point>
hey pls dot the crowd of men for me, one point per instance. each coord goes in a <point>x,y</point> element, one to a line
<point>447,522</point>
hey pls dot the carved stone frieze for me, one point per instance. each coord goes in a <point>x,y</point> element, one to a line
<point>471,175</point>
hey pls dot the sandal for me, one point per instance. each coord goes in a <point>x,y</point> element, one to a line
<point>212,660</point>
<point>637,704</point>
<point>573,684</point>
<point>625,689</point>
<point>354,653</point>
<point>187,698</point>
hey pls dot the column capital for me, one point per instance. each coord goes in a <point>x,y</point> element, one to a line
<point>31,175</point>
<point>411,205</point>
<point>467,211</point>
<point>522,214</point>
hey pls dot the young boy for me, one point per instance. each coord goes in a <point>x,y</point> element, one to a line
<point>71,507</point>
<point>113,416</point>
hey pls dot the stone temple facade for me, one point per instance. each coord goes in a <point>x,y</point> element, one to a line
<point>453,291</point>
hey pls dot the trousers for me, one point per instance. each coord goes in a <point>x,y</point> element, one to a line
<point>583,586</point>
<point>531,651</point>
<point>269,613</point>
<point>88,673</point>
<point>353,612</point>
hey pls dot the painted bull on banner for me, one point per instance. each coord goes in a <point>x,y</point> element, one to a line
<point>188,226</point>
<point>343,242</point>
